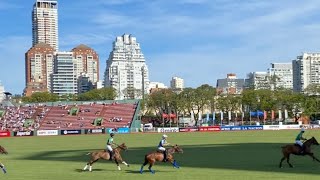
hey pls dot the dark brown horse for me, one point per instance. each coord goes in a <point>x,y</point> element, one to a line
<point>103,154</point>
<point>3,151</point>
<point>295,149</point>
<point>153,157</point>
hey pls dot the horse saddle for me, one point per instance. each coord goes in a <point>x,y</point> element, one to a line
<point>300,148</point>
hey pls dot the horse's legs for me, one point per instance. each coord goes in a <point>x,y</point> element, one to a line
<point>173,162</point>
<point>288,161</point>
<point>313,157</point>
<point>123,162</point>
<point>282,159</point>
<point>150,167</point>
<point>90,164</point>
<point>119,158</point>
<point>119,168</point>
<point>145,163</point>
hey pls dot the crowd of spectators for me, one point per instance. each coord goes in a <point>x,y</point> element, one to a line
<point>14,118</point>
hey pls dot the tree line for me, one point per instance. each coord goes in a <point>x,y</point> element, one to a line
<point>205,97</point>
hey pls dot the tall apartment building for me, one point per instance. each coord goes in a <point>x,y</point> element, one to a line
<point>45,23</point>
<point>39,61</point>
<point>281,75</point>
<point>177,83</point>
<point>306,71</point>
<point>2,96</point>
<point>258,80</point>
<point>126,69</point>
<point>65,76</point>
<point>230,85</point>
<point>90,61</point>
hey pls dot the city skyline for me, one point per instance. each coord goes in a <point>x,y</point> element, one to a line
<point>197,40</point>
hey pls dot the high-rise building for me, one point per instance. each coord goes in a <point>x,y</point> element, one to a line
<point>258,80</point>
<point>230,85</point>
<point>39,62</point>
<point>84,83</point>
<point>126,69</point>
<point>281,75</point>
<point>2,96</point>
<point>90,60</point>
<point>65,76</point>
<point>45,23</point>
<point>177,83</point>
<point>306,71</point>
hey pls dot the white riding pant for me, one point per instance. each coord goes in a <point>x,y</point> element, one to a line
<point>161,148</point>
<point>299,142</point>
<point>109,147</point>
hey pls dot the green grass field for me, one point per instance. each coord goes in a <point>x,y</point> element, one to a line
<point>218,155</point>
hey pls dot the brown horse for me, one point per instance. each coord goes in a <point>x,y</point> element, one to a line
<point>153,157</point>
<point>295,149</point>
<point>3,151</point>
<point>104,154</point>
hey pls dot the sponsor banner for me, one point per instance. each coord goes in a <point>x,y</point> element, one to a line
<point>188,129</point>
<point>166,130</point>
<point>94,131</point>
<point>241,128</point>
<point>4,133</point>
<point>47,132</point>
<point>210,128</point>
<point>271,127</point>
<point>70,132</point>
<point>314,126</point>
<point>23,133</point>
<point>290,127</point>
<point>121,130</point>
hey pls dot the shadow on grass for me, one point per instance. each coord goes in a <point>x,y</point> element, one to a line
<point>82,171</point>
<point>264,157</point>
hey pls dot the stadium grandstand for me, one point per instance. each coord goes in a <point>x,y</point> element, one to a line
<point>70,115</point>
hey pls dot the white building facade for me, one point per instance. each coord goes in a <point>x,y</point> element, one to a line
<point>2,96</point>
<point>281,75</point>
<point>126,69</point>
<point>258,80</point>
<point>306,71</point>
<point>45,23</point>
<point>177,83</point>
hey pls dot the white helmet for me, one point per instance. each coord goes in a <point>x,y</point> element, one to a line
<point>302,129</point>
<point>164,136</point>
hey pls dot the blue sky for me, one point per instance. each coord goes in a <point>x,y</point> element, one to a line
<point>198,40</point>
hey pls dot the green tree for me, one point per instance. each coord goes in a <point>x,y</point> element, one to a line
<point>39,97</point>
<point>98,94</point>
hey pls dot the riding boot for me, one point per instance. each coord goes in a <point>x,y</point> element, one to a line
<point>164,156</point>
<point>111,155</point>
<point>302,149</point>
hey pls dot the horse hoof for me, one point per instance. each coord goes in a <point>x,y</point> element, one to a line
<point>128,165</point>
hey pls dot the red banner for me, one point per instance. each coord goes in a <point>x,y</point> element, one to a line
<point>210,128</point>
<point>164,115</point>
<point>4,133</point>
